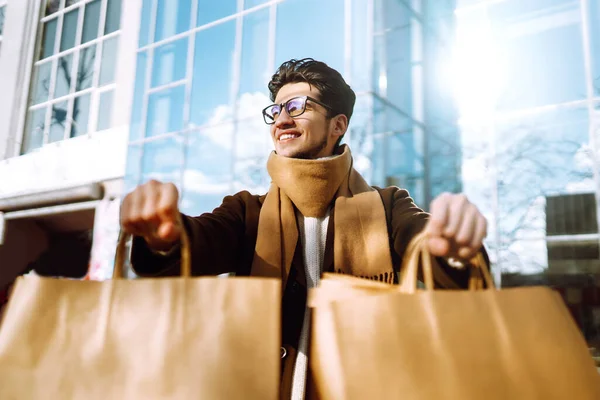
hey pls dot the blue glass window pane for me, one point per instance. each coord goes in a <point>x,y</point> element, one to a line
<point>33,137</point>
<point>48,38</point>
<point>58,122</point>
<point>105,110</point>
<point>253,3</point>
<point>594,24</point>
<point>113,16</point>
<point>133,167</point>
<point>63,76</point>
<point>172,17</point>
<point>85,72</point>
<point>169,62</point>
<point>162,160</point>
<point>210,10</point>
<point>213,62</point>
<point>41,83</point>
<point>255,73</point>
<point>322,39</point>
<point>91,20</point>
<point>135,132</point>
<point>207,179</point>
<point>81,115</point>
<point>69,30</point>
<point>165,111</point>
<point>145,23</point>
<point>110,48</point>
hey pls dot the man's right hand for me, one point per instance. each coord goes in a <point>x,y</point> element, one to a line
<point>151,211</point>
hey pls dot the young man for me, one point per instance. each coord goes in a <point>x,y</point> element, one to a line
<point>319,214</point>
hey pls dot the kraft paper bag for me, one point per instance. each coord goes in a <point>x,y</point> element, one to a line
<point>372,340</point>
<point>167,338</point>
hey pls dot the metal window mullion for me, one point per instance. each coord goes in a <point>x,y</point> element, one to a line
<point>272,37</point>
<point>74,49</point>
<point>147,84</point>
<point>187,108</point>
<point>496,269</point>
<point>370,68</point>
<point>348,41</point>
<point>580,237</point>
<point>167,86</point>
<point>64,10</point>
<point>105,88</point>
<point>162,136</point>
<point>53,73</point>
<point>190,66</point>
<point>235,87</point>
<point>62,98</point>
<point>75,66</point>
<point>198,128</point>
<point>95,98</point>
<point>209,25</point>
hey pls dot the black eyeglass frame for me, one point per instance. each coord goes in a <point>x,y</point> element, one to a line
<point>269,120</point>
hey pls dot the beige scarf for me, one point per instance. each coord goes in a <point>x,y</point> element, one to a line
<point>361,243</point>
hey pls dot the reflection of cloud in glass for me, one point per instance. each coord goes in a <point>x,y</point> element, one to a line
<point>251,134</point>
<point>583,157</point>
<point>198,182</point>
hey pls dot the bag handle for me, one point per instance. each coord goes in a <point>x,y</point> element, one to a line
<point>186,263</point>
<point>417,250</point>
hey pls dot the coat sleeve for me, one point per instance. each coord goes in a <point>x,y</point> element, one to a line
<point>215,240</point>
<point>407,220</point>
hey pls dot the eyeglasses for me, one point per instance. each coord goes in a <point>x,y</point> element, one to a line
<point>294,107</point>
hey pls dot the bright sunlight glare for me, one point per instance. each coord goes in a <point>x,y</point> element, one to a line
<point>476,70</point>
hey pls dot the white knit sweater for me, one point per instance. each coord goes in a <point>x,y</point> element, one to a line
<point>313,236</point>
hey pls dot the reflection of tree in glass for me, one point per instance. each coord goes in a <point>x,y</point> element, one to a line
<point>529,169</point>
<point>52,6</point>
<point>85,72</point>
<point>532,161</point>
<point>2,11</point>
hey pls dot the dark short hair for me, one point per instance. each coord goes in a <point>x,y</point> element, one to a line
<point>333,89</point>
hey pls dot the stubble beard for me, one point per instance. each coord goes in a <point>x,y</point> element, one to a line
<point>312,153</point>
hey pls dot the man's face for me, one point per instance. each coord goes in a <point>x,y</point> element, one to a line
<point>310,135</point>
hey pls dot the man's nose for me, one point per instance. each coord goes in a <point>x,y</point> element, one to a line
<point>283,119</point>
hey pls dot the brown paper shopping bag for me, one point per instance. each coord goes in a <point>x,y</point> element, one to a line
<point>168,338</point>
<point>377,341</point>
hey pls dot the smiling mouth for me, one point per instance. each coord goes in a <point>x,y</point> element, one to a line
<point>288,136</point>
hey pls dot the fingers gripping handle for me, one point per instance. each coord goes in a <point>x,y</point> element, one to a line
<point>186,262</point>
<point>417,250</point>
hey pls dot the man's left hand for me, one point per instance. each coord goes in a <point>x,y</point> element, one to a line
<point>456,227</point>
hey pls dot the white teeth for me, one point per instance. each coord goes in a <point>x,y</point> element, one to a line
<point>288,136</point>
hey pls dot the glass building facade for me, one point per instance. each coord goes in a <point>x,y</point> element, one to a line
<point>201,83</point>
<point>528,87</point>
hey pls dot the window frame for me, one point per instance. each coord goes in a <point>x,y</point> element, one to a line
<point>95,91</point>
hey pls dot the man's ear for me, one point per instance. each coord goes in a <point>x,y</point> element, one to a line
<point>340,125</point>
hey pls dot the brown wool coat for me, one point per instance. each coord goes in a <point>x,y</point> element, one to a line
<point>224,241</point>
